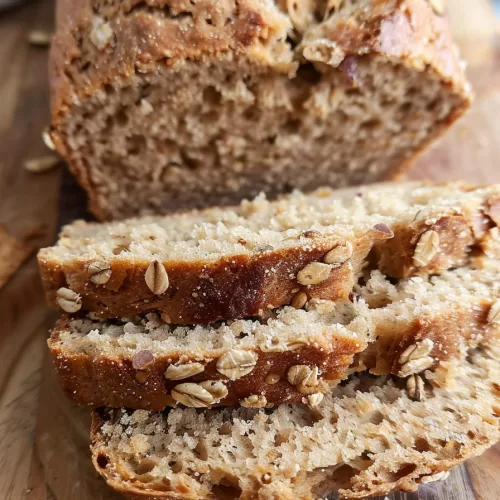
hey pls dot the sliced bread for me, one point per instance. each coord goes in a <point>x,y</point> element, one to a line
<point>297,356</point>
<point>148,364</point>
<point>173,104</point>
<point>367,437</point>
<point>199,267</point>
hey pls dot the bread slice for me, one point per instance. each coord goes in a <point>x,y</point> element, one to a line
<point>367,437</point>
<point>449,314</point>
<point>419,325</point>
<point>199,267</point>
<point>171,104</point>
<point>148,364</point>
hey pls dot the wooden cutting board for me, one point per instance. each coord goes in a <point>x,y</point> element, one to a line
<point>43,439</point>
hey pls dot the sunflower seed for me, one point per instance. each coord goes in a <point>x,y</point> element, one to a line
<point>156,277</point>
<point>68,300</point>
<point>101,273</point>
<point>165,318</point>
<point>254,401</point>
<point>339,255</point>
<point>183,371</point>
<point>299,300</point>
<point>236,363</point>
<point>426,249</point>
<point>314,273</point>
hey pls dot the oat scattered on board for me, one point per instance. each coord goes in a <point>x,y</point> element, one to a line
<point>41,165</point>
<point>40,38</point>
<point>47,139</point>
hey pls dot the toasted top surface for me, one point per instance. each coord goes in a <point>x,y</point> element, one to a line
<point>249,227</point>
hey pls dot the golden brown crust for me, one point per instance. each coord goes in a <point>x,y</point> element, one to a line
<point>101,380</point>
<point>107,381</point>
<point>246,285</point>
<point>233,287</point>
<point>395,257</point>
<point>461,326</point>
<point>405,31</point>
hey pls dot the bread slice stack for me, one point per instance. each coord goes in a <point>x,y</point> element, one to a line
<point>341,341</point>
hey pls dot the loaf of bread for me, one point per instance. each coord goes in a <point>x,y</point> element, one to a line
<point>237,262</point>
<point>367,437</point>
<point>173,104</point>
<point>415,325</point>
<point>148,364</point>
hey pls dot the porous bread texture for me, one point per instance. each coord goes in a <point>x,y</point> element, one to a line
<point>234,262</point>
<point>443,316</point>
<point>99,362</point>
<point>165,105</point>
<point>454,310</point>
<point>365,438</point>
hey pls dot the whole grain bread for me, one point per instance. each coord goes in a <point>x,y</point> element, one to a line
<point>229,263</point>
<point>416,325</point>
<point>367,437</point>
<point>172,104</point>
<point>148,364</point>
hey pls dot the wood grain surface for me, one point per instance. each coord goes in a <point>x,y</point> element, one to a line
<point>43,438</point>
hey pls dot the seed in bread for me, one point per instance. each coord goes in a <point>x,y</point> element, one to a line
<point>296,449</point>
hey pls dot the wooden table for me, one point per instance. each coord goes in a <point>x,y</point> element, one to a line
<point>43,439</point>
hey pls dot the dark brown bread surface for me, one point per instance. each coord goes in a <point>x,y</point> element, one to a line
<point>246,278</point>
<point>444,316</point>
<point>171,104</point>
<point>367,437</point>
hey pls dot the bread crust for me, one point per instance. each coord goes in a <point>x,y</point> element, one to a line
<point>239,286</point>
<point>233,287</point>
<point>101,380</point>
<point>417,464</point>
<point>460,328</point>
<point>405,32</point>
